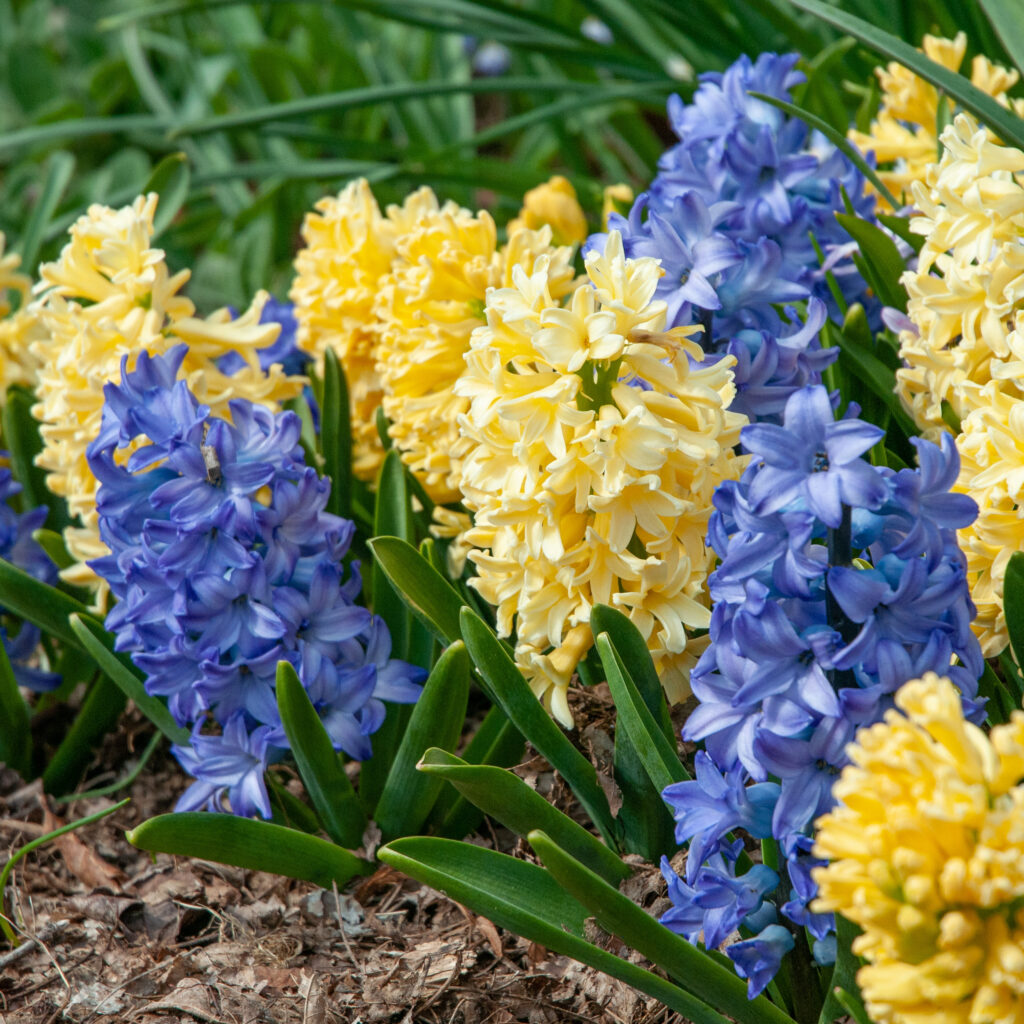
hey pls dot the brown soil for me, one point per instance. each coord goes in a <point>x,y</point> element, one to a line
<point>113,934</point>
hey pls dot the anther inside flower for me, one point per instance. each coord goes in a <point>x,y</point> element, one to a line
<point>593,441</point>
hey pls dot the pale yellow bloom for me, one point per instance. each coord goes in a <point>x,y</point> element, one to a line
<point>110,295</point>
<point>585,487</point>
<point>427,308</point>
<point>18,326</point>
<point>927,857</point>
<point>349,249</point>
<point>904,136</point>
<point>553,204</point>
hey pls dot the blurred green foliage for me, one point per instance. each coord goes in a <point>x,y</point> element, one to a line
<point>274,104</point>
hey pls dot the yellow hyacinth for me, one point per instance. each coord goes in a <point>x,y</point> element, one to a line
<point>591,448</point>
<point>18,326</point>
<point>553,204</point>
<point>904,136</point>
<point>111,295</point>
<point>927,857</point>
<point>965,352</point>
<point>427,308</point>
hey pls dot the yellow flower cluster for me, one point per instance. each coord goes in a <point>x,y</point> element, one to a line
<point>966,351</point>
<point>927,852</point>
<point>396,297</point>
<point>904,136</point>
<point>109,295</point>
<point>591,449</point>
<point>17,326</point>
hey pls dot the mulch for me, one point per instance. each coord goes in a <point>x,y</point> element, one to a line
<point>113,934</point>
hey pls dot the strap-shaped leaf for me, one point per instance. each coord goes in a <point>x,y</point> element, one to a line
<point>496,742</point>
<point>1013,604</point>
<point>337,803</point>
<point>392,518</point>
<point>97,716</point>
<point>632,714</point>
<point>60,167</point>
<point>15,732</point>
<point>248,843</point>
<point>506,798</point>
<point>42,605</point>
<point>1000,120</point>
<point>21,439</point>
<point>708,980</point>
<point>1007,18</point>
<point>336,436</point>
<point>431,598</point>
<point>882,261</point>
<point>437,720</point>
<point>170,180</point>
<point>526,900</point>
<point>99,645</point>
<point>510,690</point>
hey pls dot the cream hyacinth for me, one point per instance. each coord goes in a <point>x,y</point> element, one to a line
<point>18,327</point>
<point>428,307</point>
<point>110,295</point>
<point>591,448</point>
<point>966,351</point>
<point>904,135</point>
<point>927,852</point>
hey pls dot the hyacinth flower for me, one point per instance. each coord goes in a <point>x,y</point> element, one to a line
<point>925,854</point>
<point>111,294</point>
<point>225,563</point>
<point>838,582</point>
<point>731,215</point>
<point>591,445</point>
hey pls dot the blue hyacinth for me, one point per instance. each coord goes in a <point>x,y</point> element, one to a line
<point>224,563</point>
<point>839,581</point>
<point>18,547</point>
<point>731,215</point>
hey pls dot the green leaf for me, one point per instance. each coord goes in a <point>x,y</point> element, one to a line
<point>430,597</point>
<point>506,798</point>
<point>393,518</point>
<point>170,180</point>
<point>99,645</point>
<point>53,544</point>
<point>868,369</point>
<point>436,721</point>
<point>337,803</point>
<point>80,128</point>
<point>251,844</point>
<point>44,606</point>
<point>1013,604</point>
<point>496,742</point>
<point>336,436</point>
<point>882,259</point>
<point>995,117</point>
<point>838,139</point>
<point>524,899</point>
<point>15,733</point>
<point>844,974</point>
<point>645,822</point>
<point>648,740</point>
<point>510,690</point>
<point>900,226</point>
<point>391,92</point>
<point>21,438</point>
<point>97,716</point>
<point>712,983</point>
<point>1007,17</point>
<point>60,166</point>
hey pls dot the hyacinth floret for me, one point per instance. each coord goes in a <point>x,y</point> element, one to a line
<point>224,563</point>
<point>734,213</point>
<point>925,854</point>
<point>838,582</point>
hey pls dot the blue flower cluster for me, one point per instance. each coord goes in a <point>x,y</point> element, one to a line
<point>18,547</point>
<point>838,582</point>
<point>731,215</point>
<point>225,563</point>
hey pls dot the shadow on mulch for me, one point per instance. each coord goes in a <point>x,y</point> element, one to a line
<point>113,934</point>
